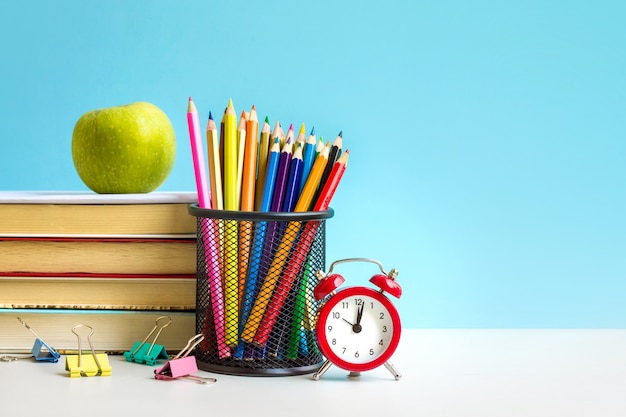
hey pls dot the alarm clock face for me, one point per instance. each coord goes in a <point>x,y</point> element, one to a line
<point>358,329</point>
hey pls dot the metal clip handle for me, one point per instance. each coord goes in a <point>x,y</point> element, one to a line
<point>158,326</point>
<point>80,350</point>
<point>191,344</point>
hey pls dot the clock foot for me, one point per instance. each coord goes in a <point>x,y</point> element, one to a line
<point>354,374</point>
<point>393,370</point>
<point>323,368</point>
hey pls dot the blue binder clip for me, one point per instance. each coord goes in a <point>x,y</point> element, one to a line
<point>149,354</point>
<point>41,350</point>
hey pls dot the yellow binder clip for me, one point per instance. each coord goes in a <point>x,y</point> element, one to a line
<point>96,364</point>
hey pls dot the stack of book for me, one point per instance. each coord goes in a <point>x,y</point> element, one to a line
<point>113,262</point>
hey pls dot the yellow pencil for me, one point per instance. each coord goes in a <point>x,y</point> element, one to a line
<point>231,228</point>
<point>278,263</point>
<point>301,138</point>
<point>215,166</point>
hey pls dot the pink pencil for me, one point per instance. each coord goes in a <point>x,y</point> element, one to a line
<point>204,201</point>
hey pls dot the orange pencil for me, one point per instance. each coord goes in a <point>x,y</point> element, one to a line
<point>250,162</point>
<point>312,183</point>
<point>247,197</point>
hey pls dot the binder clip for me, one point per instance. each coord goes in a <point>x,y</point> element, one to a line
<point>41,350</point>
<point>182,365</point>
<point>96,364</point>
<point>142,353</point>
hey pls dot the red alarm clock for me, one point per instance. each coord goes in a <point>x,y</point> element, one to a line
<point>358,328</point>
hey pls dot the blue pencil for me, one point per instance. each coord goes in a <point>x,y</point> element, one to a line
<point>293,182</point>
<point>273,232</point>
<point>308,157</point>
<point>259,239</point>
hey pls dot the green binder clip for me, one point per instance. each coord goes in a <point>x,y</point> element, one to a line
<point>141,352</point>
<point>96,364</point>
<point>41,350</point>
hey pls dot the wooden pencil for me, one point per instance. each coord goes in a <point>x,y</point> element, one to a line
<point>241,148</point>
<point>247,198</point>
<point>264,145</point>
<point>231,281</point>
<point>215,165</point>
<point>308,157</point>
<point>333,155</point>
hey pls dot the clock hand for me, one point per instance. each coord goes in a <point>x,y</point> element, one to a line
<point>347,322</point>
<point>359,314</point>
<point>356,327</point>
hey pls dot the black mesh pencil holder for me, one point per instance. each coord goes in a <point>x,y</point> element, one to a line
<point>254,295</point>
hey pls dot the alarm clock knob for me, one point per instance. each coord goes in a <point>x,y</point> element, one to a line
<point>327,284</point>
<point>387,283</point>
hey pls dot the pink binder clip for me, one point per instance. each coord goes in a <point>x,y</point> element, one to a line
<point>183,365</point>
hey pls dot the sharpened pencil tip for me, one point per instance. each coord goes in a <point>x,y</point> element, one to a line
<point>312,130</point>
<point>210,115</point>
<point>267,119</point>
<point>340,134</point>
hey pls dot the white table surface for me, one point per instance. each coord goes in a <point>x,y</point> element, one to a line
<point>504,373</point>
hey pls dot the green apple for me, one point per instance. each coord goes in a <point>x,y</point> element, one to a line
<point>124,149</point>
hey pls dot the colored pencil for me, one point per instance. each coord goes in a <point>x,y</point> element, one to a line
<point>230,158</point>
<point>215,175</point>
<point>282,175</point>
<point>278,262</point>
<point>320,145</point>
<point>305,200</point>
<point>299,255</point>
<point>293,182</point>
<point>264,147</point>
<point>250,292</point>
<point>215,170</point>
<point>296,324</point>
<point>277,134</point>
<point>308,157</point>
<point>301,138</point>
<point>290,137</point>
<point>241,148</point>
<point>231,281</point>
<point>247,198</point>
<point>204,201</point>
<point>250,162</point>
<point>333,155</point>
<point>197,153</point>
<point>273,231</point>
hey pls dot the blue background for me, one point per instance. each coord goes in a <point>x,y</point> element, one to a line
<point>487,138</point>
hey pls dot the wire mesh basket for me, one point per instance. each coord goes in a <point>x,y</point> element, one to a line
<point>254,297</point>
